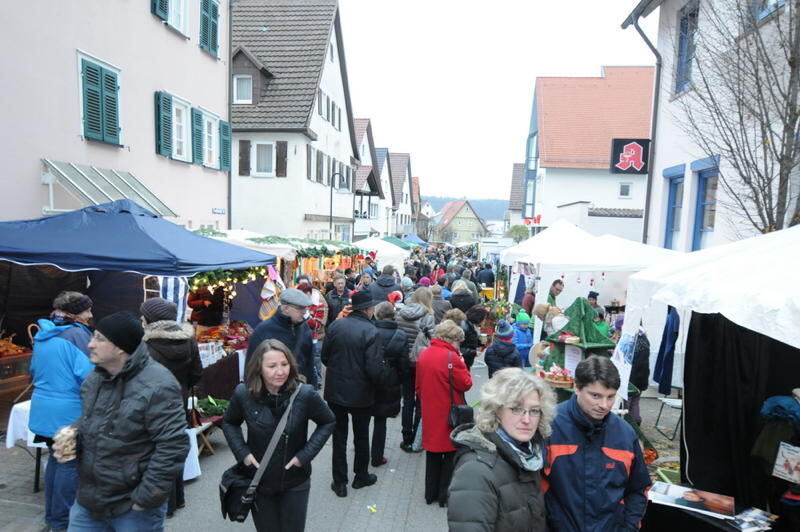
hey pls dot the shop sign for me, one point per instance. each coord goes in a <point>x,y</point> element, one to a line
<point>630,156</point>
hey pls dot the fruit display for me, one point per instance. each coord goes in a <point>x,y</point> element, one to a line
<point>558,377</point>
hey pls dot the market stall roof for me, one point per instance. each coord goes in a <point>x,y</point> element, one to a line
<point>545,245</point>
<point>243,237</point>
<point>607,253</point>
<point>399,243</point>
<point>415,239</point>
<point>751,282</point>
<point>386,252</point>
<point>119,236</point>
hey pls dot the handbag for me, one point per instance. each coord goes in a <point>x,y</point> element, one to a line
<point>459,414</point>
<point>237,490</point>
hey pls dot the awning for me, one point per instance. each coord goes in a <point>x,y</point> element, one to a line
<point>95,186</point>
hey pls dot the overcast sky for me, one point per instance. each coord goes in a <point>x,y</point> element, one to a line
<point>451,82</point>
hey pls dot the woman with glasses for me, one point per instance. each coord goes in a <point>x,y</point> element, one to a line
<point>499,459</point>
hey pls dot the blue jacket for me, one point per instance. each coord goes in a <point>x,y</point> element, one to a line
<point>501,355</point>
<point>523,339</point>
<point>596,473</point>
<point>297,338</point>
<point>58,366</point>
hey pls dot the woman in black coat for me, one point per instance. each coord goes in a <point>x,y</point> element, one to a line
<point>462,298</point>
<point>396,368</point>
<point>271,377</point>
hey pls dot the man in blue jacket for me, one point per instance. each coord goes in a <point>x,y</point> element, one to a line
<point>596,472</point>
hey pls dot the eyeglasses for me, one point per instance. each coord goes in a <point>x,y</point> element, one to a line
<point>520,412</point>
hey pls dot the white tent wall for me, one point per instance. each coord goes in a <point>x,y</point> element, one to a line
<point>386,253</point>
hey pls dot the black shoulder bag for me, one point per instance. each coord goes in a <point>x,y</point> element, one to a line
<point>459,414</point>
<point>237,491</point>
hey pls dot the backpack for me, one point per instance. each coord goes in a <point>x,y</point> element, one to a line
<point>422,342</point>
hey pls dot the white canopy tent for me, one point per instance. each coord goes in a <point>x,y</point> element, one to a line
<point>241,237</point>
<point>545,245</point>
<point>386,252</point>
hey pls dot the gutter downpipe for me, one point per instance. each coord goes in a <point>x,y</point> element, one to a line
<point>230,108</point>
<point>634,19</point>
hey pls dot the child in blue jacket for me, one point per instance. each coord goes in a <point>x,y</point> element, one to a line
<point>523,337</point>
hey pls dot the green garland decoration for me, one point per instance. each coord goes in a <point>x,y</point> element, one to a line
<point>226,278</point>
<point>208,231</point>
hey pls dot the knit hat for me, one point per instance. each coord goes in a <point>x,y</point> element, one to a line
<point>157,309</point>
<point>503,330</point>
<point>305,286</point>
<point>425,281</point>
<point>522,317</point>
<point>593,294</point>
<point>76,306</point>
<point>395,297</point>
<point>123,329</point>
<point>407,282</point>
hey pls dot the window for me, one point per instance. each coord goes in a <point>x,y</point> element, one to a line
<point>674,211</point>
<point>210,141</point>
<point>342,231</point>
<point>242,89</point>
<point>706,208</point>
<point>181,130</point>
<point>209,24</point>
<point>263,153</point>
<point>763,8</point>
<point>687,27</point>
<point>625,190</point>
<point>100,101</point>
<point>532,152</point>
<point>178,18</point>
<point>374,208</point>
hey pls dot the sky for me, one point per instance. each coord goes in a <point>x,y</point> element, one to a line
<point>451,82</point>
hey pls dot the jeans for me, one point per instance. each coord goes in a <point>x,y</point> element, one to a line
<point>360,442</point>
<point>318,362</point>
<point>60,486</point>
<point>151,520</point>
<point>410,415</point>
<point>281,512</point>
<point>378,439</point>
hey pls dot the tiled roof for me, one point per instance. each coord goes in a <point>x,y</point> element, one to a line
<point>515,200</point>
<point>448,212</point>
<point>362,173</point>
<point>360,128</point>
<point>578,117</point>
<point>399,163</point>
<point>415,191</point>
<point>616,213</point>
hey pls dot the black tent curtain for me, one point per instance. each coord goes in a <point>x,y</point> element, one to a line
<point>729,371</point>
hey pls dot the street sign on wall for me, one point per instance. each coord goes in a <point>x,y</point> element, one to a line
<point>630,156</point>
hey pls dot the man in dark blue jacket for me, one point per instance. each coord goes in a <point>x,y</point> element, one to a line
<point>288,325</point>
<point>596,472</point>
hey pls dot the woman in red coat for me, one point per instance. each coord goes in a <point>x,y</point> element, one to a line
<point>433,388</point>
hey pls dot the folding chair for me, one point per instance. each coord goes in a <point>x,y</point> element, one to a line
<point>677,404</point>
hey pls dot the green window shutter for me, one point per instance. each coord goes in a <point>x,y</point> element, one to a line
<point>160,8</point>
<point>224,145</point>
<point>163,124</point>
<point>205,24</point>
<point>92,100</point>
<point>110,107</point>
<point>213,28</point>
<point>197,136</point>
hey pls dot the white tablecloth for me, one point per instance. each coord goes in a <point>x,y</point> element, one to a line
<point>18,430</point>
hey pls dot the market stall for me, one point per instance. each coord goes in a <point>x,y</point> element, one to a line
<point>385,252</point>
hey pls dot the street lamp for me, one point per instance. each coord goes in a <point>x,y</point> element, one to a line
<point>330,217</point>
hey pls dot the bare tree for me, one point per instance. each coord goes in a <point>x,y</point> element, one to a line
<point>743,103</point>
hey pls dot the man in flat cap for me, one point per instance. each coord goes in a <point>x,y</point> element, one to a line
<point>288,325</point>
<point>131,433</point>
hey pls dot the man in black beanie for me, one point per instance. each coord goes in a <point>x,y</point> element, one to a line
<point>131,431</point>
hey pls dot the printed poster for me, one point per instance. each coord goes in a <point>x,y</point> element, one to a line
<point>787,463</point>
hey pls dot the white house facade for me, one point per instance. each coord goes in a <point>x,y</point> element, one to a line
<point>401,181</point>
<point>386,205</point>
<point>107,119</point>
<point>369,197</point>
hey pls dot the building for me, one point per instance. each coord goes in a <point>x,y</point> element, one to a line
<point>457,222</point>
<point>388,216</point>
<point>117,100</point>
<point>568,154</point>
<point>369,209</point>
<point>689,209</point>
<point>401,186</point>
<point>514,212</point>
<point>294,145</point>
<point>419,220</point>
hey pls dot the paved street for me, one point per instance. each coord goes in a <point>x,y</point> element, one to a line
<point>397,498</point>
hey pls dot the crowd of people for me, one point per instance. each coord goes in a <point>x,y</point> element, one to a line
<point>347,356</point>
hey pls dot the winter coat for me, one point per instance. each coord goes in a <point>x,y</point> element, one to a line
<point>440,306</point>
<point>463,301</point>
<point>485,277</point>
<point>596,473</point>
<point>414,318</point>
<point>501,355</point>
<point>172,345</point>
<point>319,315</point>
<point>262,415</point>
<point>210,315</point>
<point>297,338</point>
<point>491,490</point>
<point>471,343</point>
<point>132,437</point>
<point>523,340</point>
<point>433,388</point>
<point>383,286</point>
<point>353,358</point>
<point>58,368</point>
<point>395,369</point>
<point>336,302</point>
<point>640,370</point>
<point>528,301</point>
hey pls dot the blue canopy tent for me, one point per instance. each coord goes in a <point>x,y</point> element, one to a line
<point>120,236</point>
<point>415,239</point>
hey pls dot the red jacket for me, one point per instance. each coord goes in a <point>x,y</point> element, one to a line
<point>434,393</point>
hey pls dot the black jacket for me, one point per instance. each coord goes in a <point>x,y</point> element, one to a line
<point>471,343</point>
<point>501,355</point>
<point>132,434</point>
<point>485,276</point>
<point>440,306</point>
<point>336,303</point>
<point>382,287</point>
<point>463,301</point>
<point>395,371</point>
<point>262,416</point>
<point>353,359</point>
<point>297,338</point>
<point>172,345</point>
<point>640,371</point>
<point>491,489</point>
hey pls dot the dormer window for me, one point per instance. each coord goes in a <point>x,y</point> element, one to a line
<point>242,89</point>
